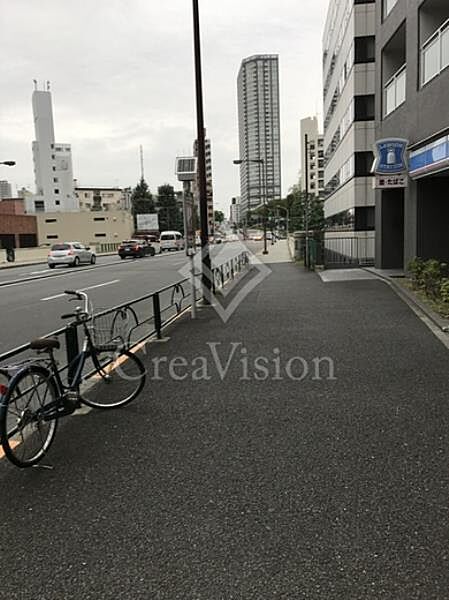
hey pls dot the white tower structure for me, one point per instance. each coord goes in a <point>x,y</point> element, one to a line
<point>53,171</point>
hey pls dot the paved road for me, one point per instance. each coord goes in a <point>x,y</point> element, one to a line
<point>42,270</point>
<point>253,490</point>
<point>33,308</point>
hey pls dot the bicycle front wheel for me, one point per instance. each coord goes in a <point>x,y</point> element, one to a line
<point>25,432</point>
<point>117,378</point>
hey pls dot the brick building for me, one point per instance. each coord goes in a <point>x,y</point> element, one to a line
<point>17,229</point>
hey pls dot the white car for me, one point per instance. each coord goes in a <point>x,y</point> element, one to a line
<point>71,254</point>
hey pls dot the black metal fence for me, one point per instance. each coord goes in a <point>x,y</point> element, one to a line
<point>141,318</point>
<point>351,251</point>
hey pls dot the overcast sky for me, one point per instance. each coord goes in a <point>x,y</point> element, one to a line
<point>121,75</point>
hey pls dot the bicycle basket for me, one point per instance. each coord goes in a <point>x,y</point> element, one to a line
<point>112,330</point>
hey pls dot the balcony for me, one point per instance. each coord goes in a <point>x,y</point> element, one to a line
<point>394,90</point>
<point>435,54</point>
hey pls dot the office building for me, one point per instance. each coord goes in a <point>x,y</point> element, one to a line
<point>259,131</point>
<point>349,128</point>
<point>209,183</point>
<point>52,162</point>
<point>314,156</point>
<point>5,190</point>
<point>412,85</point>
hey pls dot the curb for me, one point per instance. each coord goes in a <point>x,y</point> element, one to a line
<point>412,300</point>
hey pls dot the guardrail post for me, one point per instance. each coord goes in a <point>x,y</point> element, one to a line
<point>72,351</point>
<point>157,315</point>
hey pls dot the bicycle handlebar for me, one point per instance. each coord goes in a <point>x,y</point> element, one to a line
<point>81,296</point>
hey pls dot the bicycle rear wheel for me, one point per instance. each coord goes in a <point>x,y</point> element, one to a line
<point>117,379</point>
<point>24,432</point>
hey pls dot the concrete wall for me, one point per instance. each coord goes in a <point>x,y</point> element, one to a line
<point>86,227</point>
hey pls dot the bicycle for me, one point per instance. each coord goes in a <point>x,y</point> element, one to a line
<point>35,397</point>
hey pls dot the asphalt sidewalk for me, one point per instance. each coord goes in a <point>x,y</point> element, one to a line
<point>250,484</point>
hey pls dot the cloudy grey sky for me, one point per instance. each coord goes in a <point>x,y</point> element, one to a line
<point>121,74</point>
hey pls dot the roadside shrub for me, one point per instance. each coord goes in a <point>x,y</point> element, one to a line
<point>431,277</point>
<point>416,268</point>
<point>444,290</point>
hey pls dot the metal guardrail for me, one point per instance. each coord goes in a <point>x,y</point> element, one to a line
<point>148,315</point>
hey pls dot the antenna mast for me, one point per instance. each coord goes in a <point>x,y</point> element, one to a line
<point>141,163</point>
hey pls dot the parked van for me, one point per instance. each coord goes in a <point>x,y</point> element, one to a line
<point>171,240</point>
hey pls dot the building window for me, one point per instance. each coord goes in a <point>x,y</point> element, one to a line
<point>388,6</point>
<point>51,220</point>
<point>55,180</point>
<point>363,164</point>
<point>364,49</point>
<point>39,205</point>
<point>52,236</point>
<point>57,202</point>
<point>99,219</point>
<point>56,191</point>
<point>435,54</point>
<point>97,235</point>
<point>394,91</point>
<point>364,108</point>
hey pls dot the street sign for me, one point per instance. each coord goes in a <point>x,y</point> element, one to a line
<point>385,182</point>
<point>148,221</point>
<point>390,156</point>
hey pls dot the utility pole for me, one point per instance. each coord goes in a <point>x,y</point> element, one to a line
<point>202,184</point>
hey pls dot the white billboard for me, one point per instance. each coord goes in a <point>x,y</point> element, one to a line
<point>148,221</point>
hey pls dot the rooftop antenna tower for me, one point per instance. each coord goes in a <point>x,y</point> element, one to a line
<point>141,163</point>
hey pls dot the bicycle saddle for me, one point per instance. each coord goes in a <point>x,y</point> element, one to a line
<point>45,344</point>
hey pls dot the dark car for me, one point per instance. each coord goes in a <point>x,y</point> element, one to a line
<point>135,249</point>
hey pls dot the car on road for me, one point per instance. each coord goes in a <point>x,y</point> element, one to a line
<point>171,240</point>
<point>71,254</point>
<point>135,249</point>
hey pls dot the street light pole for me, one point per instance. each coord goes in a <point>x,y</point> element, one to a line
<point>202,184</point>
<point>287,215</point>
<point>261,162</point>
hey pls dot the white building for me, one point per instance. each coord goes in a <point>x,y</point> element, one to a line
<point>314,155</point>
<point>5,190</point>
<point>102,198</point>
<point>259,130</point>
<point>53,171</point>
<point>209,183</point>
<point>234,213</point>
<point>349,127</point>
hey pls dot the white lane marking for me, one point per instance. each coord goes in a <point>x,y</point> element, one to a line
<point>38,272</point>
<point>91,287</point>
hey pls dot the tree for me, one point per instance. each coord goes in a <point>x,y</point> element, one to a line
<point>141,200</point>
<point>296,203</point>
<point>170,215</point>
<point>218,216</point>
